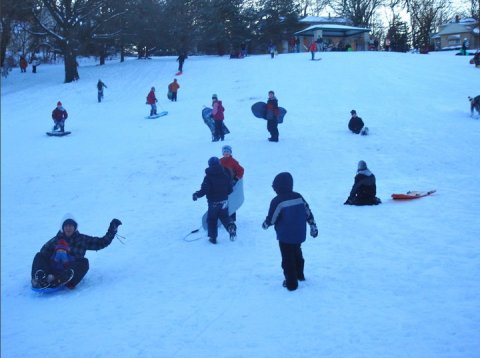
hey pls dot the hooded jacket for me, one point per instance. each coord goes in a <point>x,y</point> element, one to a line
<point>59,113</point>
<point>216,185</point>
<point>288,211</point>
<point>364,188</point>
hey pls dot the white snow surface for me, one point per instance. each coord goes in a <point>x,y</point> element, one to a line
<point>401,279</point>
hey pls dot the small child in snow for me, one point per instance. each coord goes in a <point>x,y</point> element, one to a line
<point>289,212</point>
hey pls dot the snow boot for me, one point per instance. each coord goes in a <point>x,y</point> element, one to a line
<point>232,230</point>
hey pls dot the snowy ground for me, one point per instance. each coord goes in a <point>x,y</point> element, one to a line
<point>401,279</point>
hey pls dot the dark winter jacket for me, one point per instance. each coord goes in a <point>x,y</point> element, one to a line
<point>100,86</point>
<point>272,108</point>
<point>59,113</point>
<point>355,124</point>
<point>78,243</point>
<point>216,185</point>
<point>364,189</point>
<point>288,211</point>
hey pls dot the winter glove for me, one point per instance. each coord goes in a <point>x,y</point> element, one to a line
<point>313,230</point>
<point>265,225</point>
<point>114,224</point>
<point>194,196</point>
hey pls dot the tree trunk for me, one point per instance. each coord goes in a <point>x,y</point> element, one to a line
<point>6,35</point>
<point>71,65</point>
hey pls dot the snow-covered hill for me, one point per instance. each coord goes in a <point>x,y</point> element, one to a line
<point>397,280</point>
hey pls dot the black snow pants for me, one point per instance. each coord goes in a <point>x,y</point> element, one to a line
<point>80,267</point>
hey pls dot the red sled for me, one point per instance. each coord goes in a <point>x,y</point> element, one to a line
<point>412,195</point>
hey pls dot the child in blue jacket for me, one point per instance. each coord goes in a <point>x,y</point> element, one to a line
<point>289,213</point>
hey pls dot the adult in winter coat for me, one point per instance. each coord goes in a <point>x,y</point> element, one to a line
<point>233,168</point>
<point>313,48</point>
<point>474,104</point>
<point>356,123</point>
<point>59,115</point>
<point>218,117</point>
<point>181,59</point>
<point>61,261</point>
<point>173,88</point>
<point>364,188</point>
<point>216,185</point>
<point>152,101</point>
<point>289,212</point>
<point>272,116</point>
<point>100,87</point>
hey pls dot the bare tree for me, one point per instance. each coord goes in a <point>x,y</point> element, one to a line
<point>425,16</point>
<point>66,22</point>
<point>360,12</point>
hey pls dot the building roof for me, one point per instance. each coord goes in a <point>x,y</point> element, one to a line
<point>454,28</point>
<point>324,20</point>
<point>332,30</point>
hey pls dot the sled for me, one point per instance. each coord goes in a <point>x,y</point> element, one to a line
<point>57,134</point>
<point>178,73</point>
<point>161,114</point>
<point>259,110</point>
<point>412,195</point>
<point>235,201</point>
<point>169,95</point>
<point>209,121</point>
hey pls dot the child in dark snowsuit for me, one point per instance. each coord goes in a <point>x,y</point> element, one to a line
<point>272,116</point>
<point>356,123</point>
<point>100,86</point>
<point>216,185</point>
<point>289,212</point>
<point>364,189</point>
<point>474,104</point>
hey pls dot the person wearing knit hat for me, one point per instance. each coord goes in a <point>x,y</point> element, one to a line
<point>61,261</point>
<point>272,116</point>
<point>218,118</point>
<point>234,169</point>
<point>356,123</point>
<point>59,116</point>
<point>364,189</point>
<point>216,186</point>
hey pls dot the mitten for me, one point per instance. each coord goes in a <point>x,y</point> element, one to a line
<point>114,224</point>
<point>194,196</point>
<point>313,230</point>
<point>265,225</point>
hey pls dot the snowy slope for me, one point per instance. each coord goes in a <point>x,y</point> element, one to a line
<point>397,280</point>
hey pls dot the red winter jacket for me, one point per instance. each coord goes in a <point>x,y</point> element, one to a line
<point>233,166</point>
<point>313,47</point>
<point>59,113</point>
<point>218,110</point>
<point>151,99</point>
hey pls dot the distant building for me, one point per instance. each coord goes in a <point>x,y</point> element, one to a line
<point>452,34</point>
<point>332,34</point>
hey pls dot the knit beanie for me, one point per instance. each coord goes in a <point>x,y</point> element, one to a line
<point>213,161</point>
<point>352,112</point>
<point>226,149</point>
<point>59,104</point>
<point>214,96</point>
<point>62,245</point>
<point>362,165</point>
<point>68,218</point>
